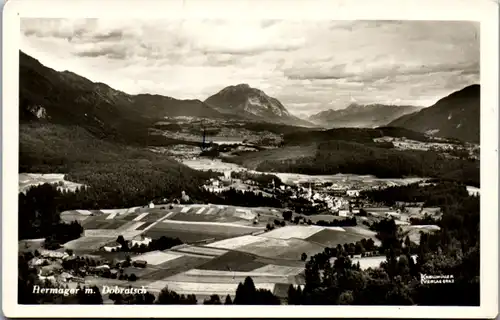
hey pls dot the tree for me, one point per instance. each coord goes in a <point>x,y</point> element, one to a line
<point>292,295</point>
<point>228,300</point>
<point>346,298</point>
<point>287,215</point>
<point>122,241</point>
<point>214,299</point>
<point>90,296</point>
<point>245,292</point>
<point>132,277</point>
<point>303,257</point>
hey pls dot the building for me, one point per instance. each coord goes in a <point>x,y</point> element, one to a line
<point>344,213</point>
<point>65,277</point>
<point>392,214</point>
<point>103,267</point>
<point>38,262</point>
<point>140,263</point>
<point>112,246</point>
<point>140,240</point>
<point>184,196</point>
<point>151,205</point>
<point>352,193</point>
<point>52,254</point>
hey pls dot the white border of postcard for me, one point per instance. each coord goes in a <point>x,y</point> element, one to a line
<point>485,11</point>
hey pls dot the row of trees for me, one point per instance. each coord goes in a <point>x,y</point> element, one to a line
<point>436,193</point>
<point>162,243</point>
<point>39,217</point>
<point>240,198</point>
<point>347,222</point>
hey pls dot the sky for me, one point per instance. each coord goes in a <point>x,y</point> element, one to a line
<point>309,65</point>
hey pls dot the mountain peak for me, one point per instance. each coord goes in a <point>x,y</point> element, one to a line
<point>243,86</point>
<point>454,116</point>
<point>252,103</point>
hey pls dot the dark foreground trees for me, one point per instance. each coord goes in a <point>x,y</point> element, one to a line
<point>247,294</point>
<point>453,251</point>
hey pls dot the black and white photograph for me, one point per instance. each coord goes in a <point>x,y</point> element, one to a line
<point>255,161</point>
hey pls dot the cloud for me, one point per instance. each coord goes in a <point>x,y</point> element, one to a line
<point>307,65</point>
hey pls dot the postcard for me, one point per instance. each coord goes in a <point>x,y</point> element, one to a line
<point>250,158</point>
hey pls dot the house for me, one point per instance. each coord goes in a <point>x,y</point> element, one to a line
<point>52,254</point>
<point>392,214</point>
<point>409,204</point>
<point>140,240</point>
<point>47,273</point>
<point>112,246</point>
<point>184,196</point>
<point>140,263</point>
<point>151,205</point>
<point>78,279</point>
<point>352,193</point>
<point>343,213</point>
<point>102,267</point>
<point>38,262</point>
<point>65,276</point>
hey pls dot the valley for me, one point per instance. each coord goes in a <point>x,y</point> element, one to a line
<point>197,196</point>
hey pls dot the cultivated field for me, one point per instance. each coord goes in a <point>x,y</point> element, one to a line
<point>204,164</point>
<point>221,247</point>
<point>27,180</point>
<point>157,257</point>
<point>331,238</point>
<point>298,232</point>
<point>233,261</point>
<point>283,249</point>
<point>174,266</point>
<point>198,288</point>
<point>88,244</point>
<point>252,160</point>
<point>201,251</point>
<point>213,213</point>
<point>237,242</point>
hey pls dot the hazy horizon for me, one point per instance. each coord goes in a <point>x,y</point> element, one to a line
<point>310,66</point>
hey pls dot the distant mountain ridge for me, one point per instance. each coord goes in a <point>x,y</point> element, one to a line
<point>252,103</point>
<point>357,115</point>
<point>455,116</point>
<point>70,99</point>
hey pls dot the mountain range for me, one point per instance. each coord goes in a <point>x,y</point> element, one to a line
<point>454,116</point>
<point>67,98</point>
<point>361,116</point>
